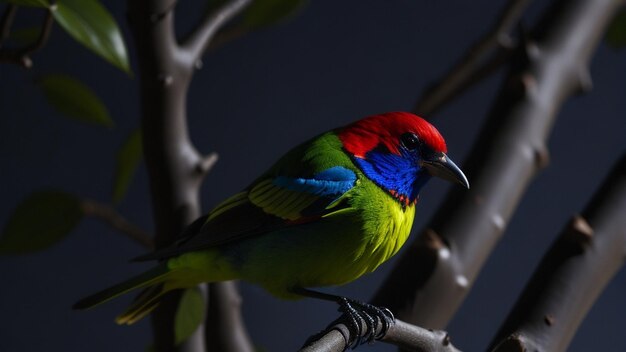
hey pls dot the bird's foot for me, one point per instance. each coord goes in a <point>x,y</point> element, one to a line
<point>356,314</point>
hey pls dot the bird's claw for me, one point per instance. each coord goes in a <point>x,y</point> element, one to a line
<point>356,314</point>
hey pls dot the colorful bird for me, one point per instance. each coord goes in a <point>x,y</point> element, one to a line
<point>330,210</point>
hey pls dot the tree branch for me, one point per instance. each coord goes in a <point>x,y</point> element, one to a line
<point>200,39</point>
<point>228,320</point>
<point>170,157</point>
<point>484,57</point>
<point>109,215</point>
<point>571,275</point>
<point>175,168</point>
<point>21,56</point>
<point>510,150</point>
<point>408,337</point>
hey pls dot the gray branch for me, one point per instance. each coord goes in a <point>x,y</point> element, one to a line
<point>200,38</point>
<point>408,337</point>
<point>433,277</point>
<point>175,168</point>
<point>571,275</point>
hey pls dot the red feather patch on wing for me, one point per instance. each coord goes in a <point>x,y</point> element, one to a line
<point>364,135</point>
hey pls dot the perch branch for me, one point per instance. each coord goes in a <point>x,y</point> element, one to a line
<point>433,276</point>
<point>484,57</point>
<point>408,337</point>
<point>109,215</point>
<point>571,275</point>
<point>200,39</point>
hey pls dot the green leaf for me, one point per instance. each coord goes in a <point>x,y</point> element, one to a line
<point>37,3</point>
<point>92,25</point>
<point>43,219</point>
<point>189,315</point>
<point>616,33</point>
<point>128,158</point>
<point>263,13</point>
<point>75,99</point>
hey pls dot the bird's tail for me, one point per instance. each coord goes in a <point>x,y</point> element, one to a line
<point>152,280</point>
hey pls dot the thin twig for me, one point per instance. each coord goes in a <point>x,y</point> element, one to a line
<point>6,21</point>
<point>408,337</point>
<point>22,56</point>
<point>199,40</point>
<point>109,215</point>
<point>571,275</point>
<point>44,34</point>
<point>475,65</point>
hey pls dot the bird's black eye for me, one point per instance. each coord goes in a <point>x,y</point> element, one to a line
<point>410,141</point>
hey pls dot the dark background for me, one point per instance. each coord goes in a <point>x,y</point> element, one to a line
<point>254,99</point>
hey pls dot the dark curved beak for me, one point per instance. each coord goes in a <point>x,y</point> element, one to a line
<point>439,165</point>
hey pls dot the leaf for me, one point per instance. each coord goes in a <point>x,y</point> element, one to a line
<point>263,13</point>
<point>75,99</point>
<point>37,3</point>
<point>128,158</point>
<point>189,315</point>
<point>43,219</point>
<point>616,33</point>
<point>92,25</point>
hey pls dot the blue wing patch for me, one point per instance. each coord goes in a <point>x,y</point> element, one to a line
<point>292,198</point>
<point>331,182</point>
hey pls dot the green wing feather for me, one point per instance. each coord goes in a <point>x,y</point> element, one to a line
<point>266,205</point>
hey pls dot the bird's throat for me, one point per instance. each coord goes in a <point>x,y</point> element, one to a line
<point>401,178</point>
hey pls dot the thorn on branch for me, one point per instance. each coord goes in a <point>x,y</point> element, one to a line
<point>165,79</point>
<point>549,319</point>
<point>579,231</point>
<point>585,82</point>
<point>206,163</point>
<point>542,156</point>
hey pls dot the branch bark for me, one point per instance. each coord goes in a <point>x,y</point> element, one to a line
<point>175,168</point>
<point>510,150</point>
<point>408,337</point>
<point>201,37</point>
<point>484,57</point>
<point>571,275</point>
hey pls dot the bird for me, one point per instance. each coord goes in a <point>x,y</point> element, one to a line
<point>327,212</point>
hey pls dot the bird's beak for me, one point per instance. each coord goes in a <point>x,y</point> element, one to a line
<point>440,165</point>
